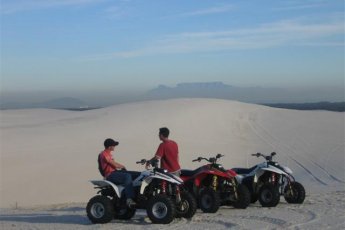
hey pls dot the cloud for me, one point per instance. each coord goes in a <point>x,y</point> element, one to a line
<point>16,6</point>
<point>115,12</point>
<point>301,6</point>
<point>281,33</point>
<point>211,10</point>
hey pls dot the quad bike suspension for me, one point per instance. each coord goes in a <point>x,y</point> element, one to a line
<point>164,187</point>
<point>178,194</point>
<point>234,185</point>
<point>273,178</point>
<point>214,183</point>
<point>290,190</point>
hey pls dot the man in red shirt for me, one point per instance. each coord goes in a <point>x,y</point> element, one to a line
<point>111,170</point>
<point>167,153</point>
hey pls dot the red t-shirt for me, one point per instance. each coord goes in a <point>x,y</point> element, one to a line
<point>106,157</point>
<point>168,152</point>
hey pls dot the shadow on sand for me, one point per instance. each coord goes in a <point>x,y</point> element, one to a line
<point>77,219</point>
<point>46,218</point>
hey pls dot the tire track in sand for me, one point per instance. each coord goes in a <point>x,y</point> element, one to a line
<point>323,169</point>
<point>270,140</point>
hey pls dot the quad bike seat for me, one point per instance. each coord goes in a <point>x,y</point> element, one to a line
<point>243,171</point>
<point>133,174</point>
<point>189,173</point>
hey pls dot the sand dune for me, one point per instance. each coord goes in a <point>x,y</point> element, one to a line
<point>48,156</point>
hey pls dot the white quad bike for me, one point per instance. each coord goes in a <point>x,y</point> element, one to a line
<point>268,180</point>
<point>159,192</point>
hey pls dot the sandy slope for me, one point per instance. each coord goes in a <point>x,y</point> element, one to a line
<point>48,156</point>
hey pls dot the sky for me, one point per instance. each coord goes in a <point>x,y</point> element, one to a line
<point>103,47</point>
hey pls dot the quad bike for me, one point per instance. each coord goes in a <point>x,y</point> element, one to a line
<point>268,180</point>
<point>213,186</point>
<point>155,190</point>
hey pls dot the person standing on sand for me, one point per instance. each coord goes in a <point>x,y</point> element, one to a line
<point>113,171</point>
<point>167,153</point>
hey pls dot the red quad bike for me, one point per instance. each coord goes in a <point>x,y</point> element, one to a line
<point>213,186</point>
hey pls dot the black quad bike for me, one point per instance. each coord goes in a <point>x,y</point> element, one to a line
<point>268,180</point>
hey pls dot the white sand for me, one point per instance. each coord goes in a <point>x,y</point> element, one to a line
<point>48,156</point>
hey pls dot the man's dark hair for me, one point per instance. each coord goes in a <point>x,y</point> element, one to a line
<point>164,132</point>
<point>110,142</point>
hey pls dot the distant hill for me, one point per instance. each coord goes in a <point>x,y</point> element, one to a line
<point>63,103</point>
<point>330,106</point>
<point>59,103</point>
<point>217,90</point>
<point>273,97</point>
<point>258,95</point>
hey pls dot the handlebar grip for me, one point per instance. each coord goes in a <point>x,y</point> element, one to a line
<point>143,161</point>
<point>194,160</point>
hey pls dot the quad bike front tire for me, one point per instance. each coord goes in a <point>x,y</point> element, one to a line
<point>269,195</point>
<point>209,200</point>
<point>243,195</point>
<point>100,210</point>
<point>295,193</point>
<point>187,207</point>
<point>160,209</point>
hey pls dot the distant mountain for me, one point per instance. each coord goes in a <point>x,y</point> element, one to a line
<point>330,106</point>
<point>273,97</point>
<point>59,103</point>
<point>218,90</point>
<point>63,103</point>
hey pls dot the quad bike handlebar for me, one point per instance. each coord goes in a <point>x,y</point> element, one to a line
<point>143,161</point>
<point>268,158</point>
<point>212,160</point>
<point>153,162</point>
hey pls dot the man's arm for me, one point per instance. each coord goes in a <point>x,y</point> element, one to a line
<point>157,156</point>
<point>114,164</point>
<point>117,165</point>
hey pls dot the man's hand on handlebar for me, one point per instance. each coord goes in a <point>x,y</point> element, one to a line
<point>147,166</point>
<point>197,159</point>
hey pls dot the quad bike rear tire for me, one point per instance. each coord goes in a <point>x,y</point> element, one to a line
<point>100,209</point>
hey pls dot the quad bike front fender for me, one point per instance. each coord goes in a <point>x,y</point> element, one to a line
<point>269,169</point>
<point>275,170</point>
<point>105,183</point>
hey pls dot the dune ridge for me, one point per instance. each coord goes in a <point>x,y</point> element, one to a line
<point>48,156</point>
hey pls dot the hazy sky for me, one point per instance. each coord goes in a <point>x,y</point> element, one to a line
<point>134,45</point>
